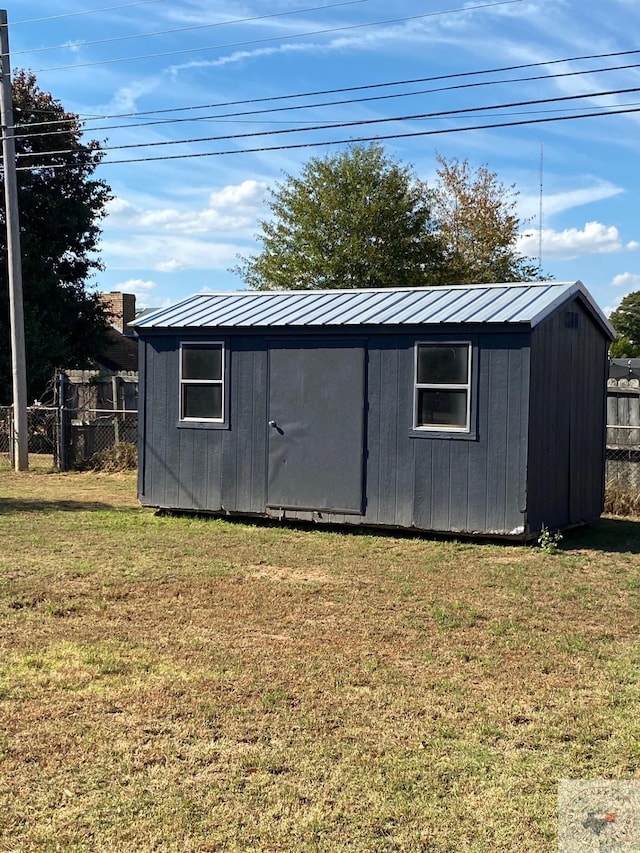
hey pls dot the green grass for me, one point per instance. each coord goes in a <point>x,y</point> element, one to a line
<point>183,684</point>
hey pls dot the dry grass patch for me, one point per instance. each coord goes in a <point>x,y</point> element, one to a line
<point>178,684</point>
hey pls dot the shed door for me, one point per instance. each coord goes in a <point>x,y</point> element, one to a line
<point>316,425</point>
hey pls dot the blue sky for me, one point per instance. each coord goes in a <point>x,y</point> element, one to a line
<point>176,226</point>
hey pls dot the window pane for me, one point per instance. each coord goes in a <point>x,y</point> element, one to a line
<point>202,401</point>
<point>443,364</point>
<point>203,362</point>
<point>442,408</point>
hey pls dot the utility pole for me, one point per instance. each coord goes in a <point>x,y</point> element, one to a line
<point>14,259</point>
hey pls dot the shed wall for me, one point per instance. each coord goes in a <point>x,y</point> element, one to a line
<point>458,483</point>
<point>567,423</point>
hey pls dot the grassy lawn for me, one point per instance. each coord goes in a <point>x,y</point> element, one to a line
<point>182,684</point>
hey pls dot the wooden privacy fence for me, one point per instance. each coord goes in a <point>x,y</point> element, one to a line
<point>623,429</point>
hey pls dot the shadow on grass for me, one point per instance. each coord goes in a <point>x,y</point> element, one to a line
<point>11,505</point>
<point>618,535</point>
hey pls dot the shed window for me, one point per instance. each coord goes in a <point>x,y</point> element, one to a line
<point>443,388</point>
<point>202,382</point>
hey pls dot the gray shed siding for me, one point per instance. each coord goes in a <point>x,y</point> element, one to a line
<point>567,422</point>
<point>458,483</point>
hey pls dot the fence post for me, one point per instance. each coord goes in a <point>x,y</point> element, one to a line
<point>61,432</point>
<point>115,402</point>
<point>12,445</point>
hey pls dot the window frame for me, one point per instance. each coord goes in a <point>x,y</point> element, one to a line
<point>222,383</point>
<point>444,429</point>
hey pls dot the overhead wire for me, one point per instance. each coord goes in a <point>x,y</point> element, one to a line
<point>354,123</point>
<point>266,40</point>
<point>344,89</point>
<point>444,114</point>
<point>85,12</point>
<point>352,140</point>
<point>193,28</point>
<point>344,102</point>
<point>340,125</point>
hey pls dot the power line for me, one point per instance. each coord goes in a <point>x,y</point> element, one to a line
<point>276,38</point>
<point>344,89</point>
<point>193,28</point>
<point>85,12</point>
<point>337,125</point>
<point>340,125</point>
<point>349,101</point>
<point>386,137</point>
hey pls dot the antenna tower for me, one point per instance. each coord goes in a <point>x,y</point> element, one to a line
<point>540,209</point>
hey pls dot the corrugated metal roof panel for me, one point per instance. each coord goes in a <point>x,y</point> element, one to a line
<point>520,303</point>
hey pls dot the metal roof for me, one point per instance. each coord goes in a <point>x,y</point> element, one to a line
<point>521,303</point>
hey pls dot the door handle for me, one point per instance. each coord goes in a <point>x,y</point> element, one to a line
<point>273,424</point>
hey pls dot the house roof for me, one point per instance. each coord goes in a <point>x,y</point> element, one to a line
<point>120,352</point>
<point>526,303</point>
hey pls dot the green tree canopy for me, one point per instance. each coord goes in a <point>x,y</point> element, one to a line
<point>354,219</point>
<point>476,219</point>
<point>60,206</point>
<point>359,219</point>
<point>626,321</point>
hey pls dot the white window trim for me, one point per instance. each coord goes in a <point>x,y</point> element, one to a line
<point>221,382</point>
<point>418,386</point>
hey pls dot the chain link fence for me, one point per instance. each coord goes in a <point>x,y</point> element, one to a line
<point>90,424</point>
<point>622,480</point>
<point>75,439</point>
<point>42,429</point>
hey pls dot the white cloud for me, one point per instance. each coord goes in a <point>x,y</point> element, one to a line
<point>529,205</point>
<point>594,238</point>
<point>172,265</point>
<point>139,288</point>
<point>126,98</point>
<point>119,207</point>
<point>247,194</point>
<point>627,280</point>
<point>166,253</point>
<point>234,208</point>
<point>630,281</point>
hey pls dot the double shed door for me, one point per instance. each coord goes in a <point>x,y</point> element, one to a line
<point>316,425</point>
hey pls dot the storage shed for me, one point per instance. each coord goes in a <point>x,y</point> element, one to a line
<point>468,409</point>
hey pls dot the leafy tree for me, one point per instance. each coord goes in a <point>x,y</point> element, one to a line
<point>358,219</point>
<point>355,219</point>
<point>60,206</point>
<point>478,225</point>
<point>626,321</point>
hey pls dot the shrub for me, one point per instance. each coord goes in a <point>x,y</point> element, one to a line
<point>120,457</point>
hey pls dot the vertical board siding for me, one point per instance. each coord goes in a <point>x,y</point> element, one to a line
<point>453,483</point>
<point>404,450</point>
<point>530,456</point>
<point>567,424</point>
<point>429,482</point>
<point>372,450</point>
<point>244,442</point>
<point>623,411</point>
<point>142,423</point>
<point>423,485</point>
<point>588,430</point>
<point>459,457</point>
<point>497,446</point>
<point>389,418</point>
<point>478,458</point>
<point>548,481</point>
